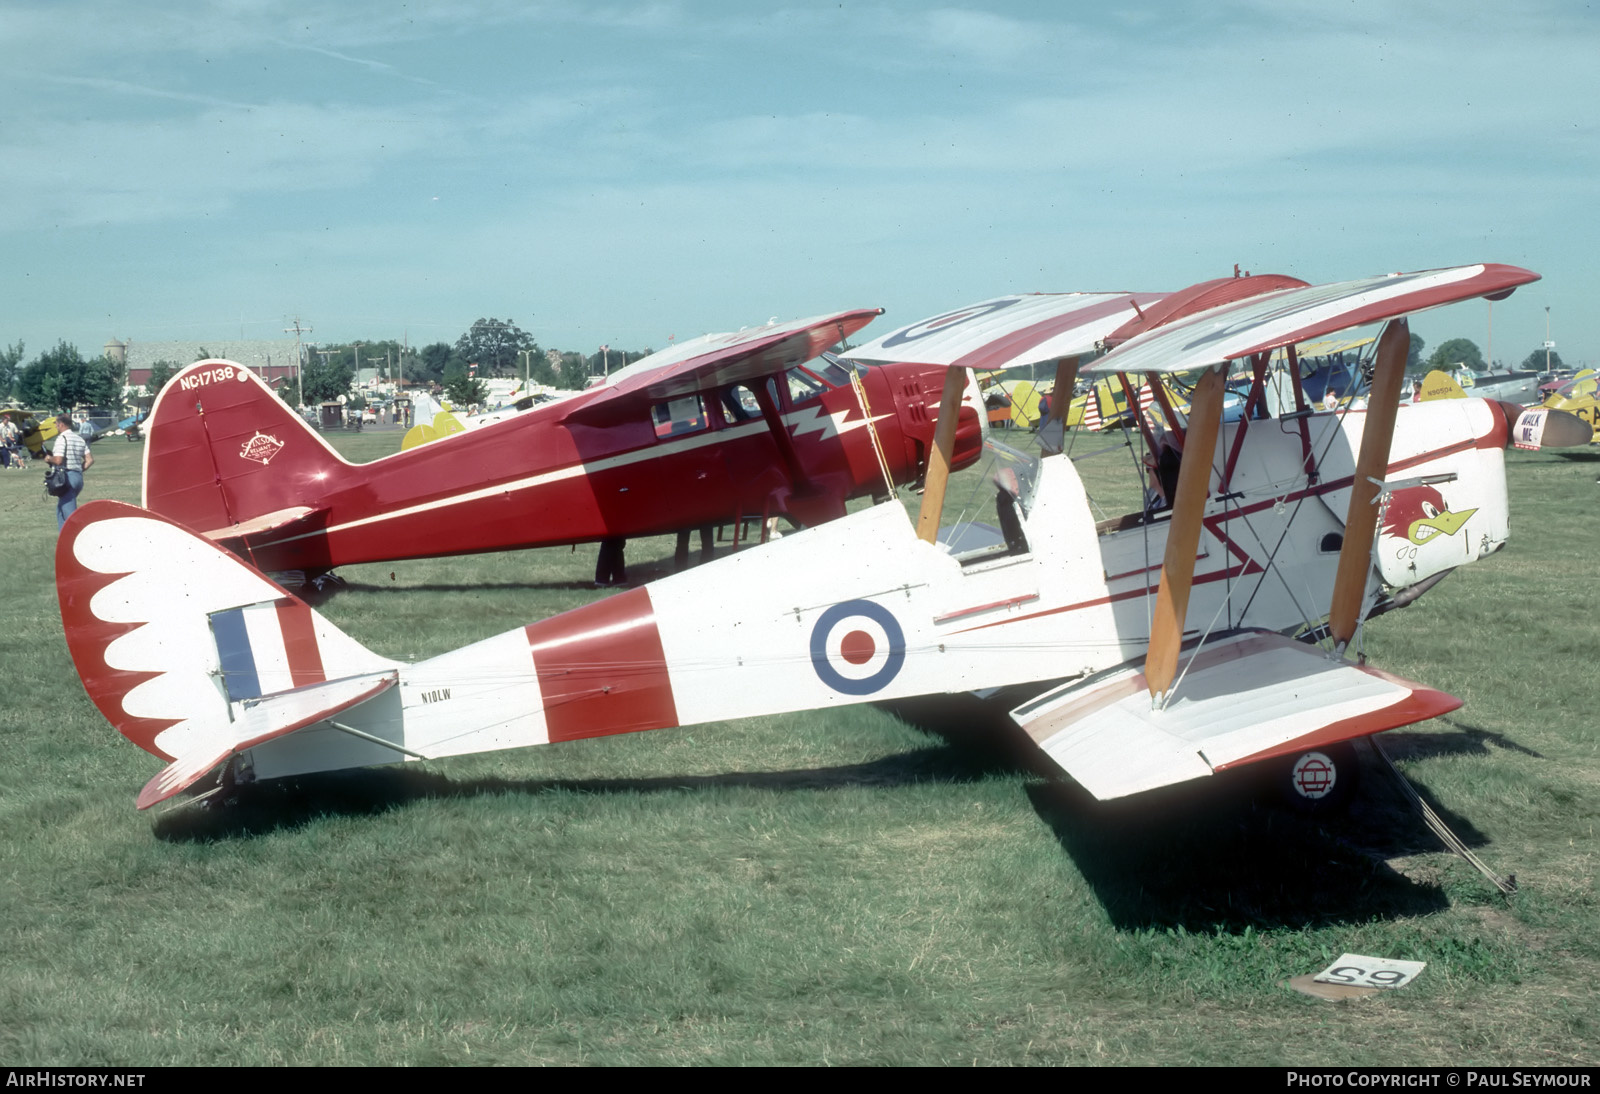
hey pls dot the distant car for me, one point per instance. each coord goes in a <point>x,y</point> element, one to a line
<point>370,414</point>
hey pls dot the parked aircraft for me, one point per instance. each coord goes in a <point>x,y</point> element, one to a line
<point>1579,395</point>
<point>1169,625</point>
<point>36,429</point>
<point>717,430</point>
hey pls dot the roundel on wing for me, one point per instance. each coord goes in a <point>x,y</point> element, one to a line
<point>940,323</point>
<point>857,647</point>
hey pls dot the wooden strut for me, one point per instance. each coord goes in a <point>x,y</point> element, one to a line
<point>1066,380</point>
<point>1361,523</point>
<point>944,445</point>
<point>1052,430</point>
<point>1183,533</point>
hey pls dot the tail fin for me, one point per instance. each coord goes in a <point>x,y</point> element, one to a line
<point>1440,385</point>
<point>223,454</point>
<point>171,634</point>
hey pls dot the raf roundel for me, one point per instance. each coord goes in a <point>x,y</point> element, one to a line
<point>949,319</point>
<point>857,647</point>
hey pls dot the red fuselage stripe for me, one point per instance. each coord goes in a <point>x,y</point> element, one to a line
<point>602,669</point>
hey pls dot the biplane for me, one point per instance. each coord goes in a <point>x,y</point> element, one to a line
<point>716,431</point>
<point>1211,629</point>
<point>36,429</point>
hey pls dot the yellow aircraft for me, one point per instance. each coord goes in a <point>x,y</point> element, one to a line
<point>1106,404</point>
<point>37,429</point>
<point>444,424</point>
<point>1579,395</point>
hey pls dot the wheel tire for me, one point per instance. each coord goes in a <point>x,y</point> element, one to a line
<point>1321,780</point>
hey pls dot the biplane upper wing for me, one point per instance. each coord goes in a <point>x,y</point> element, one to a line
<point>714,360</point>
<point>1009,330</point>
<point>1292,315</point>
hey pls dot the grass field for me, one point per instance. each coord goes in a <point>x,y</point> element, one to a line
<point>841,888</point>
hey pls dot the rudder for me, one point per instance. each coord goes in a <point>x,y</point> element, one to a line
<point>171,634</point>
<point>223,452</point>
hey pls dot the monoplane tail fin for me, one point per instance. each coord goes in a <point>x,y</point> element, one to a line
<point>222,452</point>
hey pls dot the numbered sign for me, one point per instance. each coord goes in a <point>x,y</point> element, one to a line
<point>1370,972</point>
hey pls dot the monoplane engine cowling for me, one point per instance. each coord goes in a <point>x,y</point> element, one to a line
<point>1443,512</point>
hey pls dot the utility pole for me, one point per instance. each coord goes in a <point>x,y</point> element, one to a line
<point>1548,345</point>
<point>300,359</point>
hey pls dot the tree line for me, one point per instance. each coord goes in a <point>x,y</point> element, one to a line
<point>1464,353</point>
<point>62,378</point>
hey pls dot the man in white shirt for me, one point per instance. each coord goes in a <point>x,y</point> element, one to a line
<point>8,442</point>
<point>71,451</point>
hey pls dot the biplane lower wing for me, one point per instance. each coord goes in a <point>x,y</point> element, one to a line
<point>1242,698</point>
<point>277,716</point>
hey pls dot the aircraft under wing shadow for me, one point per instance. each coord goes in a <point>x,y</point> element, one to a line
<point>1167,625</point>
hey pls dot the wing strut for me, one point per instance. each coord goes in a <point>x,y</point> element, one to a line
<point>944,444</point>
<point>1053,428</point>
<point>1183,535</point>
<point>1355,555</point>
<point>1066,380</point>
<point>766,400</point>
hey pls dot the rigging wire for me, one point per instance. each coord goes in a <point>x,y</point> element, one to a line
<point>1507,884</point>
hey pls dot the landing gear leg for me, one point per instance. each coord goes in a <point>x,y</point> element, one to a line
<point>611,568</point>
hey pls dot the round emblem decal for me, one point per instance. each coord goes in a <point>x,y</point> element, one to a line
<point>857,647</point>
<point>1313,775</point>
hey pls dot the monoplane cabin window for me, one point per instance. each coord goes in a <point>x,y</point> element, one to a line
<point>678,417</point>
<point>803,387</point>
<point>738,404</point>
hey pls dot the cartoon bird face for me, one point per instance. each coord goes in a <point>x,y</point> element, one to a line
<point>1419,514</point>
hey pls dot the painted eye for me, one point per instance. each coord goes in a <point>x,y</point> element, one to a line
<point>1429,510</point>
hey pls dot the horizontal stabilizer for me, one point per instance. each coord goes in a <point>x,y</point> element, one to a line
<point>266,522</point>
<point>277,716</point>
<point>1244,697</point>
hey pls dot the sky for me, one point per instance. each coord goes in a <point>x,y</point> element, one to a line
<point>626,174</point>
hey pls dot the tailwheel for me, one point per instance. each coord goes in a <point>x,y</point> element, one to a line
<point>1321,780</point>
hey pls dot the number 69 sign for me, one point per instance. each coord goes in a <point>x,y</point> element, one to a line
<point>1370,972</point>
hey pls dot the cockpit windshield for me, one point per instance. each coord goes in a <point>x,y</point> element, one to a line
<point>1015,472</point>
<point>836,370</point>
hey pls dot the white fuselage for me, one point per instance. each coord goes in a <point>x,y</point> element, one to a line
<point>860,609</point>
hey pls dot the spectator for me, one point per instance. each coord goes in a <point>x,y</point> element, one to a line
<point>72,451</point>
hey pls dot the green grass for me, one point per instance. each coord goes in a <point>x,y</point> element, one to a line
<point>840,888</point>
